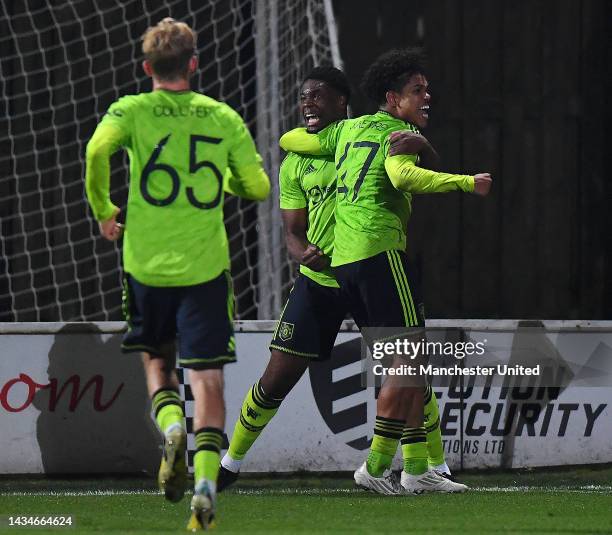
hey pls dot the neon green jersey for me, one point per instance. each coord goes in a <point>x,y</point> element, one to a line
<point>310,182</point>
<point>180,145</point>
<point>371,213</point>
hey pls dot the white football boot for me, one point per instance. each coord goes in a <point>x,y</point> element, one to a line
<point>387,484</point>
<point>430,481</point>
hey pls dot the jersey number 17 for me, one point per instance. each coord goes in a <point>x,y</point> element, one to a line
<point>373,148</point>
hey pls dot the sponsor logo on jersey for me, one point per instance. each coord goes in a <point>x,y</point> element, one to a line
<point>310,169</point>
<point>316,194</point>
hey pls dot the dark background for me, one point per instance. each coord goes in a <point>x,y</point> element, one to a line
<point>62,64</point>
<point>520,89</point>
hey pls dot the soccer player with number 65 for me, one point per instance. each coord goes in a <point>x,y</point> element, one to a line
<point>175,250</point>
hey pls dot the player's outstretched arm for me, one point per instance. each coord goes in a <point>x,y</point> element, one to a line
<point>301,142</point>
<point>105,141</point>
<point>295,223</point>
<point>406,176</point>
<point>407,142</point>
<point>322,143</point>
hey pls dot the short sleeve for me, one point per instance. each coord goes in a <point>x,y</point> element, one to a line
<point>292,195</point>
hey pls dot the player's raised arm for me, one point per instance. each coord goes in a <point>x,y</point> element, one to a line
<point>247,177</point>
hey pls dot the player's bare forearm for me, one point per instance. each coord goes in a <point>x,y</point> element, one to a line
<point>295,223</point>
<point>301,250</point>
<point>296,245</point>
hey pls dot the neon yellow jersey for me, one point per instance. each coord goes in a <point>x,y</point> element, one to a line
<point>180,145</point>
<point>371,214</point>
<point>310,182</point>
<point>374,190</point>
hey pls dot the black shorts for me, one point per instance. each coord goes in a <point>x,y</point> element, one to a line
<point>381,292</point>
<point>310,320</point>
<point>199,316</point>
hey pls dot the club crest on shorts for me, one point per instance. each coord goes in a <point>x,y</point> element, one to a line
<point>285,331</point>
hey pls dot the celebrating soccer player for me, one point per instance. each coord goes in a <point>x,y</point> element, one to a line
<point>369,261</point>
<point>315,309</point>
<point>175,254</point>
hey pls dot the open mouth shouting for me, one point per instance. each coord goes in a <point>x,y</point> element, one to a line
<point>312,120</point>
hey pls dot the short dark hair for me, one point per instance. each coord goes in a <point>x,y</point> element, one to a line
<point>391,71</point>
<point>333,77</point>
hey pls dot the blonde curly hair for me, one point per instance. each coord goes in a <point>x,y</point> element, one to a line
<point>168,46</point>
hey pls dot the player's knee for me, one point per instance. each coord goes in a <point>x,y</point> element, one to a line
<point>274,385</point>
<point>397,400</point>
<point>210,381</point>
<point>281,374</point>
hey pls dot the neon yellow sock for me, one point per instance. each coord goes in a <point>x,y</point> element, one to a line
<point>414,450</point>
<point>387,432</point>
<point>168,408</point>
<point>435,448</point>
<point>208,448</point>
<point>257,410</point>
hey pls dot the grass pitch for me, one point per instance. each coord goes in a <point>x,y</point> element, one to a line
<point>567,501</point>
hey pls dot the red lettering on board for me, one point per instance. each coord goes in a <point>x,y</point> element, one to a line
<point>56,392</point>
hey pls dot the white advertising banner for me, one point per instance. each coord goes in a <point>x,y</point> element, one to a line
<point>70,402</point>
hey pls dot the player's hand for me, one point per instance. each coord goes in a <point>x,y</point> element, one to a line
<point>110,229</point>
<point>406,142</point>
<point>482,184</point>
<point>313,258</point>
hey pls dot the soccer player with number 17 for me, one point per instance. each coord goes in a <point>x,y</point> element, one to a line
<point>175,252</point>
<point>373,205</point>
